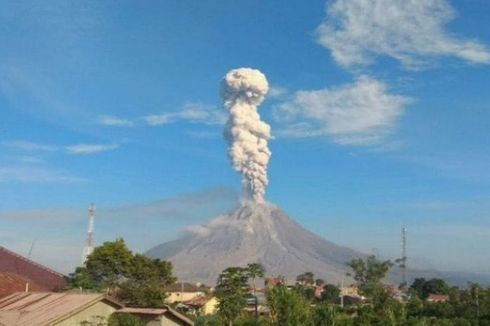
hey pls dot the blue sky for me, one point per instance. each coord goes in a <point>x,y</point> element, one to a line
<point>379,110</point>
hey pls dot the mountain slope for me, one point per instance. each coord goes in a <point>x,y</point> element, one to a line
<point>254,233</point>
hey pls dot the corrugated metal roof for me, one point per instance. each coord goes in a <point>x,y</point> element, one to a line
<point>11,283</point>
<point>10,262</point>
<point>45,308</point>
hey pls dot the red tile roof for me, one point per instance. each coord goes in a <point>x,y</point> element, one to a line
<point>11,283</point>
<point>10,262</point>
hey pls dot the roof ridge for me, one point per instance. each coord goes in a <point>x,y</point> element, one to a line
<point>10,252</point>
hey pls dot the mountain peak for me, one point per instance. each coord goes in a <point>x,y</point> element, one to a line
<point>253,232</point>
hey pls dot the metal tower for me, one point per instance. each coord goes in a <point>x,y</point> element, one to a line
<point>89,244</point>
<point>404,257</point>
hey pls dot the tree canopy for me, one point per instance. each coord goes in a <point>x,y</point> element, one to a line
<point>133,278</point>
<point>368,274</point>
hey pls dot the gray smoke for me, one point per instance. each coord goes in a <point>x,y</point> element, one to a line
<point>242,91</point>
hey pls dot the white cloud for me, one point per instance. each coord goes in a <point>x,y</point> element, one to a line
<point>84,149</point>
<point>29,160</point>
<point>276,91</point>
<point>361,113</point>
<point>157,119</point>
<point>109,120</point>
<point>35,174</point>
<point>409,31</point>
<point>71,149</point>
<point>191,112</point>
<point>29,146</point>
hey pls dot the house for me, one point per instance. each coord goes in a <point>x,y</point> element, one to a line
<point>12,283</point>
<point>397,293</point>
<point>350,295</point>
<point>351,291</point>
<point>203,305</point>
<point>158,317</point>
<point>60,309</point>
<point>40,275</point>
<point>437,298</point>
<point>180,292</point>
<point>271,282</point>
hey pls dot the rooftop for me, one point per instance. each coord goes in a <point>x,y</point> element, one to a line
<point>11,283</point>
<point>10,262</point>
<point>45,308</point>
<point>198,301</point>
<point>167,311</point>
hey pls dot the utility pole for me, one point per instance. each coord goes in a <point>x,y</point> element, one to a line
<point>477,306</point>
<point>31,248</point>
<point>342,292</point>
<point>182,291</point>
<point>404,257</point>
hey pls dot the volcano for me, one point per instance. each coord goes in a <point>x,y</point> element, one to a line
<point>254,232</point>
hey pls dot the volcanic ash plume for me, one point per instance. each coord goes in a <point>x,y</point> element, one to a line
<point>243,90</point>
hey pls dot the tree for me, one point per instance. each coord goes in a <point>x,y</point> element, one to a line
<point>109,264</point>
<point>435,286</point>
<point>255,270</point>
<point>81,279</point>
<point>325,315</point>
<point>432,286</point>
<point>368,275</point>
<point>418,286</point>
<point>330,294</point>
<point>305,279</point>
<point>288,307</point>
<point>231,290</point>
<point>146,282</point>
<point>414,304</point>
<point>134,279</point>
<point>305,285</point>
<point>319,282</point>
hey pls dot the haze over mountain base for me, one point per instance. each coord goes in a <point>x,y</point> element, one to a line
<point>255,232</point>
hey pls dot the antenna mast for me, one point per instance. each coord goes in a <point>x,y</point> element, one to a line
<point>89,247</point>
<point>31,248</point>
<point>404,257</point>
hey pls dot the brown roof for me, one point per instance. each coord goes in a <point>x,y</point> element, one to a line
<point>11,283</point>
<point>10,262</point>
<point>45,308</point>
<point>167,311</point>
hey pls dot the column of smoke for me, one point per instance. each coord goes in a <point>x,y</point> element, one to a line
<point>242,91</point>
